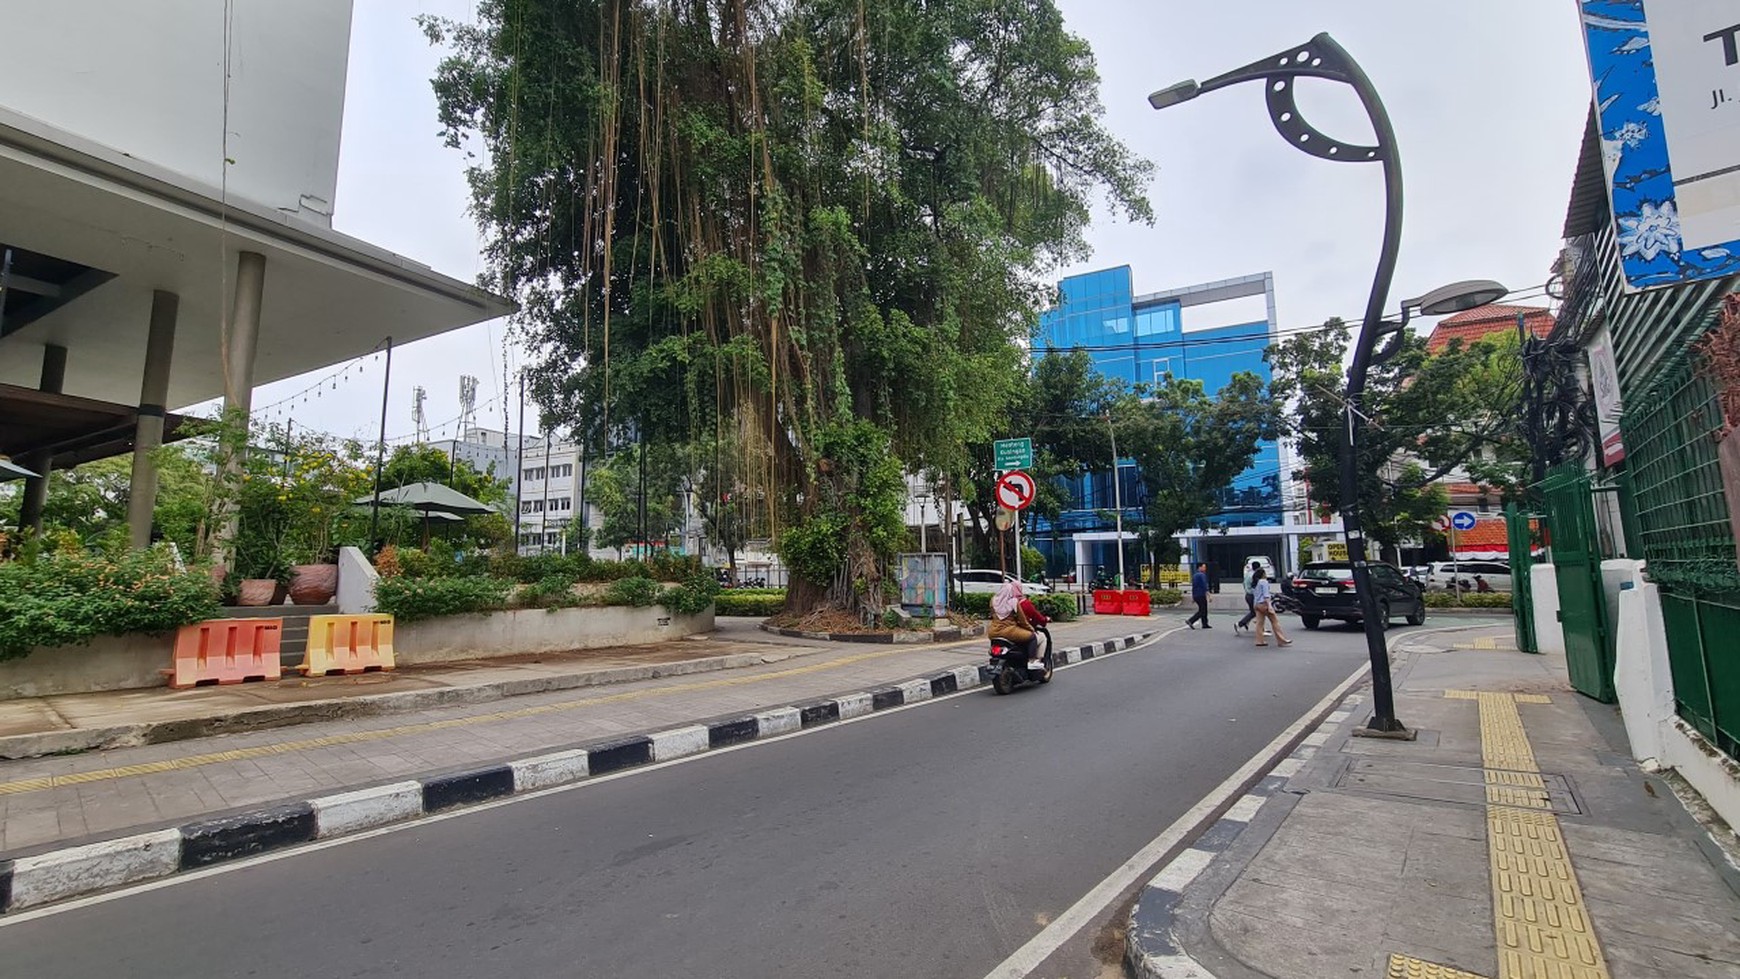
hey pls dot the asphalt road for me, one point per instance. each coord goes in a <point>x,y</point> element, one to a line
<point>932,841</point>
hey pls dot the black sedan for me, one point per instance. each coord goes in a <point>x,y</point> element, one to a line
<point>1324,590</point>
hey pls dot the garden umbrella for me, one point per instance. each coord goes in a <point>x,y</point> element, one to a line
<point>12,470</point>
<point>433,499</point>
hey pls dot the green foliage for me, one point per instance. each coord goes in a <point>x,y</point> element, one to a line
<point>408,599</point>
<point>977,604</point>
<point>1189,447</point>
<point>1056,607</point>
<point>823,215</point>
<point>637,592</point>
<point>63,599</point>
<point>740,602</point>
<point>617,489</point>
<point>1443,599</point>
<point>1430,413</point>
<point>1165,597</point>
<point>553,591</point>
<point>691,596</point>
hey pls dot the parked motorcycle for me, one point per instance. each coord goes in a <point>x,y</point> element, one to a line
<point>1010,667</point>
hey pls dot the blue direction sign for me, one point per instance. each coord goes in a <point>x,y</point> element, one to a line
<point>1463,520</point>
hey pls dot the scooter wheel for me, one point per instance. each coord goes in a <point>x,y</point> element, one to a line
<point>1004,681</point>
<point>1046,676</point>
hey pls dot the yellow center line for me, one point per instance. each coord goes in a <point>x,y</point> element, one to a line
<point>355,737</point>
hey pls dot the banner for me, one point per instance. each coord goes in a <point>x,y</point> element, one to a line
<point>1667,99</point>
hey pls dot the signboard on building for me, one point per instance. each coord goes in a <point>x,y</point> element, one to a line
<point>1012,454</point>
<point>1667,97</point>
<point>1604,377</point>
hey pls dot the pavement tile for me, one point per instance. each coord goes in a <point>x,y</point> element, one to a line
<point>1282,947</point>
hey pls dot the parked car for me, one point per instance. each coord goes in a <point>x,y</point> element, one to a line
<point>1268,566</point>
<point>1446,575</point>
<point>984,581</point>
<point>1325,590</point>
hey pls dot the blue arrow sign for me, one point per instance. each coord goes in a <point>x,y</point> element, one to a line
<point>1463,520</point>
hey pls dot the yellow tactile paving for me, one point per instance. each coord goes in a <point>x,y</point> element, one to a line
<point>1405,967</point>
<point>286,747</point>
<point>1541,922</point>
<point>1488,643</point>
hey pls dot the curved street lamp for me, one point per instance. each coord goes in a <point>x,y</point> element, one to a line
<point>1322,57</point>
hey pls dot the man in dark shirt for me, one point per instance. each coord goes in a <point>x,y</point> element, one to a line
<point>1199,595</point>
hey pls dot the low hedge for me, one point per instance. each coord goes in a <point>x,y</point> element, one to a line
<point>1443,599</point>
<point>1165,597</point>
<point>740,602</point>
<point>409,599</point>
<point>1058,607</point>
<point>68,599</point>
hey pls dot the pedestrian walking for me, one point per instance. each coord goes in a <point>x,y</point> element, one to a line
<point>1263,603</point>
<point>1199,595</point>
<point>1250,597</point>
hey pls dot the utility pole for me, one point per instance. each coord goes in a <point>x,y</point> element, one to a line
<point>520,467</point>
<point>381,450</point>
<point>1117,496</point>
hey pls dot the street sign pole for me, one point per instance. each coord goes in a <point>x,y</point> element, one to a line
<point>1018,573</point>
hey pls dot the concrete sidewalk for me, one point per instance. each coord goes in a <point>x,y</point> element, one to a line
<point>55,802</point>
<point>1514,839</point>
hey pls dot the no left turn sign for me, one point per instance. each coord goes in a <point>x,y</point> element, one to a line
<point>1015,490</point>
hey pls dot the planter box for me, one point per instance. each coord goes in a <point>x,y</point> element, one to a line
<point>466,637</point>
<point>107,663</point>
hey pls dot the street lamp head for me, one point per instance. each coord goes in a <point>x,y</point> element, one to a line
<point>1184,91</point>
<point>1459,296</point>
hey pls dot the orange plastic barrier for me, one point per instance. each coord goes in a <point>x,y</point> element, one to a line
<point>1136,602</point>
<point>348,644</point>
<point>1108,603</point>
<point>226,651</point>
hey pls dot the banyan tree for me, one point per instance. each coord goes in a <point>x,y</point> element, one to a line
<point>804,239</point>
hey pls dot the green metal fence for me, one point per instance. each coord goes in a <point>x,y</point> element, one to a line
<point>1681,516</point>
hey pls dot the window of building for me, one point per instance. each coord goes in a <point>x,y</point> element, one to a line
<point>562,471</point>
<point>561,504</point>
<point>526,506</point>
<point>552,538</point>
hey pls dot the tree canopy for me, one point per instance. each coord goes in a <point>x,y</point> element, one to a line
<point>770,225</point>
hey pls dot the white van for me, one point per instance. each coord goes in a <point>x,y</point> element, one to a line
<point>1467,576</point>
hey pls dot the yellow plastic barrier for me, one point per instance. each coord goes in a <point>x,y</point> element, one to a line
<point>348,644</point>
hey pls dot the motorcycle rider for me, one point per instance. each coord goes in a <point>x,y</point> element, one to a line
<point>1009,621</point>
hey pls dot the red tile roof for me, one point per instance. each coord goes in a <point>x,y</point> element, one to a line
<point>1483,321</point>
<point>1487,535</point>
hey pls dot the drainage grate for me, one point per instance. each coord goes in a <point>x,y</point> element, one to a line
<point>1462,784</point>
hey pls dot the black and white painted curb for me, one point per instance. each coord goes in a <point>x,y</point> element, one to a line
<point>58,875</point>
<point>1152,949</point>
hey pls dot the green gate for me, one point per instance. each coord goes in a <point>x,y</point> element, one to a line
<point>1577,568</point>
<point>1522,591</point>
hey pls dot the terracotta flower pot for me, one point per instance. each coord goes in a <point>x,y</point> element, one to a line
<point>313,584</point>
<point>256,592</point>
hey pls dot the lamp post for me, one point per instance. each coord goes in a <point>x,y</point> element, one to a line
<point>1322,57</point>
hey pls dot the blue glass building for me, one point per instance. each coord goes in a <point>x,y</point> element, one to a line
<point>1140,339</point>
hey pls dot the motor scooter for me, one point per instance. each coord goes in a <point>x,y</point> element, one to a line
<point>1010,667</point>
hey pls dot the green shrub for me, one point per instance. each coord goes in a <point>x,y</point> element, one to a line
<point>1058,608</point>
<point>409,599</point>
<point>1443,599</point>
<point>693,595</point>
<point>637,592</point>
<point>65,599</point>
<point>1165,597</point>
<point>972,603</point>
<point>553,591</point>
<point>742,602</point>
<point>673,567</point>
<point>535,568</point>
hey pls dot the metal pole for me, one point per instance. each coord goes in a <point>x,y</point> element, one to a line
<point>1383,717</point>
<point>1117,497</point>
<point>1018,573</point>
<point>520,467</point>
<point>381,450</point>
<point>544,526</point>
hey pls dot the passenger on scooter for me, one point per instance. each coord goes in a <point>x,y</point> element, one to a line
<point>1009,622</point>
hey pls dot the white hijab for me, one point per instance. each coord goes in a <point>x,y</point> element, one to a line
<point>1007,599</point>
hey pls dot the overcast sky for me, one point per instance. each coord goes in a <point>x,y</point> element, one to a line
<point>1488,98</point>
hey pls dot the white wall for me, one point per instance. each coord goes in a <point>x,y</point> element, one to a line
<point>146,77</point>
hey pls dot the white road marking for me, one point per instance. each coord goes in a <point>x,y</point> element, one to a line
<point>189,877</point>
<point>1029,956</point>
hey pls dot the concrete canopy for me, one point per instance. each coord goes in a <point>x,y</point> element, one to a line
<point>328,297</point>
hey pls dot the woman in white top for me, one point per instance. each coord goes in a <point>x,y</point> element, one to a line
<point>1262,598</point>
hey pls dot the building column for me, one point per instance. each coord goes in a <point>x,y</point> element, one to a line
<point>148,428</point>
<point>240,343</point>
<point>36,488</point>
